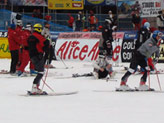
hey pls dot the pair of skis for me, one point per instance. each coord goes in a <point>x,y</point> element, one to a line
<point>82,75</point>
<point>44,93</point>
<point>134,90</point>
<point>76,75</point>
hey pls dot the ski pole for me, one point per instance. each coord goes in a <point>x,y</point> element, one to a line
<point>62,61</point>
<point>158,80</point>
<point>48,86</point>
<point>44,81</point>
<point>45,75</point>
<point>148,78</point>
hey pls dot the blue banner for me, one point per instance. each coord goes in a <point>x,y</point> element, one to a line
<point>100,2</point>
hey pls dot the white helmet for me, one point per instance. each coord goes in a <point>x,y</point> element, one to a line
<point>28,27</point>
<point>19,22</point>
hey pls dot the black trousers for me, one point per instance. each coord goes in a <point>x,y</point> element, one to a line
<point>109,48</point>
<point>109,51</point>
<point>103,74</point>
<point>38,62</point>
<point>49,56</point>
<point>138,59</point>
<point>14,60</point>
<point>79,25</point>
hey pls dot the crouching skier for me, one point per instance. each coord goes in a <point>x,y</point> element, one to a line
<point>38,47</point>
<point>142,56</point>
<point>103,66</point>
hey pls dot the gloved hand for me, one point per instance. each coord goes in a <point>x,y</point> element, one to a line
<point>150,62</point>
<point>53,43</point>
<point>114,27</point>
<point>108,44</point>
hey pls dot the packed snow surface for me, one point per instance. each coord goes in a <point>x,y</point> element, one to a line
<point>95,102</point>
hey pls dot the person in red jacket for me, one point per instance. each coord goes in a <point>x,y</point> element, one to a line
<point>38,46</point>
<point>136,20</point>
<point>70,21</point>
<point>92,20</point>
<point>14,46</point>
<point>143,21</point>
<point>25,53</point>
<point>19,32</point>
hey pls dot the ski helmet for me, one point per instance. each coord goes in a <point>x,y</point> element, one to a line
<point>147,24</point>
<point>12,26</point>
<point>156,33</point>
<point>38,27</point>
<point>19,23</point>
<point>28,26</point>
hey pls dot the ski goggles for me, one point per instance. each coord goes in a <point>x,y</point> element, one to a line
<point>101,56</point>
<point>160,34</point>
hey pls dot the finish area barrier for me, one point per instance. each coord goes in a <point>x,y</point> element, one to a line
<point>83,46</point>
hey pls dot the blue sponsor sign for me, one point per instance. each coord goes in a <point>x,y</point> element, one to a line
<point>100,2</point>
<point>130,35</point>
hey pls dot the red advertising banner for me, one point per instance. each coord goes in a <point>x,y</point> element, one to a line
<point>117,46</point>
<point>79,35</point>
<point>80,46</point>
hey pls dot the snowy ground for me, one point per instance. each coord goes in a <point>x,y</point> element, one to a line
<point>96,101</point>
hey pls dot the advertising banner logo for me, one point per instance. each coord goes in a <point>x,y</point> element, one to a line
<point>4,48</point>
<point>66,4</point>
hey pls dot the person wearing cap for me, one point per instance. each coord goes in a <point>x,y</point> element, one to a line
<point>142,56</point>
<point>107,37</point>
<point>46,33</point>
<point>79,21</point>
<point>142,35</point>
<point>25,52</point>
<point>103,66</point>
<point>110,15</point>
<point>112,18</point>
<point>14,46</point>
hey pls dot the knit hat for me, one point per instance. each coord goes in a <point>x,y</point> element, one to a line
<point>12,26</point>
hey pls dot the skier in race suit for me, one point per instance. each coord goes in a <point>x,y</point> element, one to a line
<point>25,51</point>
<point>38,47</point>
<point>143,54</point>
<point>143,34</point>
